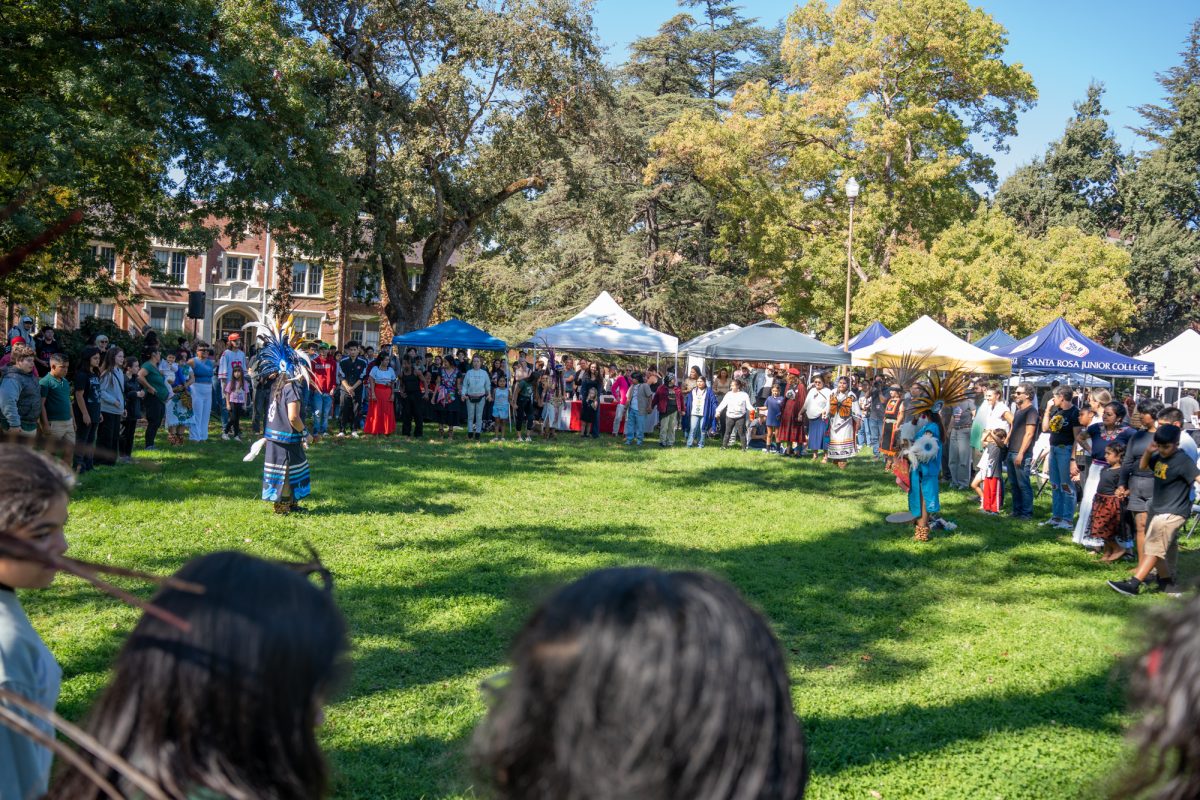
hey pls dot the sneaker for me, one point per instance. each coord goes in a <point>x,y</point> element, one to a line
<point>1052,522</point>
<point>1129,587</point>
<point>1065,525</point>
<point>341,434</point>
<point>225,437</point>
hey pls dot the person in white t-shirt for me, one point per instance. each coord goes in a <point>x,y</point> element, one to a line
<point>736,405</point>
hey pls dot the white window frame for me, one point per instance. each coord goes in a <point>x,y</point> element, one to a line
<point>312,329</point>
<point>96,310</point>
<point>371,294</point>
<point>109,258</point>
<point>169,307</point>
<point>360,336</point>
<point>309,268</point>
<point>242,259</point>
<point>171,257</point>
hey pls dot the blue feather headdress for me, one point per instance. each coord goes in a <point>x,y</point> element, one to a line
<point>278,353</point>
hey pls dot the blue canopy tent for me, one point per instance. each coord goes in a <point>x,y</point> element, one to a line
<point>873,333</point>
<point>994,341</point>
<point>1060,347</point>
<point>453,333</point>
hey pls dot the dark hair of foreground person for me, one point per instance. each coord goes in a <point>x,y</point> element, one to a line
<point>637,683</point>
<point>229,707</point>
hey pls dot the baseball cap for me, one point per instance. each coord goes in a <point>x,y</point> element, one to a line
<point>17,340</point>
<point>26,318</point>
<point>235,337</point>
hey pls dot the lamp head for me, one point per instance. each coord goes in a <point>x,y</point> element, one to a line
<point>852,188</point>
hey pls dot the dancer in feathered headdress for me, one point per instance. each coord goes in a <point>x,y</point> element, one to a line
<point>282,367</point>
<point>938,390</point>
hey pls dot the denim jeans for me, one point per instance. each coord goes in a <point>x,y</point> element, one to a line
<point>1063,499</point>
<point>1019,484</point>
<point>322,405</point>
<point>695,434</point>
<point>218,402</point>
<point>635,427</point>
<point>868,434</point>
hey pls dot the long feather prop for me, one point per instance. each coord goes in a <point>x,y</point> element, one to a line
<point>20,548</point>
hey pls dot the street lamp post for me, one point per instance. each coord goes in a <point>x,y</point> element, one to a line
<point>851,195</point>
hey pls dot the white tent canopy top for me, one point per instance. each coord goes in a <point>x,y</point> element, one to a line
<point>937,347</point>
<point>1177,361</point>
<point>605,327</point>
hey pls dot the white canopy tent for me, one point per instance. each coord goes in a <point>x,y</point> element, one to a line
<point>1176,366</point>
<point>938,347</point>
<point>605,327</point>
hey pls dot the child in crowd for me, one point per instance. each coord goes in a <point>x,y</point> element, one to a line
<point>592,404</point>
<point>237,389</point>
<point>1106,505</point>
<point>179,404</point>
<point>33,507</point>
<point>774,419</point>
<point>989,480</point>
<point>501,407</point>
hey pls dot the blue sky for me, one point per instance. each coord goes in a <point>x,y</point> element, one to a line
<point>1064,44</point>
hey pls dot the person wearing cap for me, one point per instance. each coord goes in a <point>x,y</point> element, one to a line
<point>324,369</point>
<point>1175,474</point>
<point>23,329</point>
<point>233,355</point>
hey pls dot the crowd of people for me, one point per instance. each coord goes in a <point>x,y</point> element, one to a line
<point>220,692</point>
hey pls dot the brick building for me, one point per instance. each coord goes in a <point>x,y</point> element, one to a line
<point>332,302</point>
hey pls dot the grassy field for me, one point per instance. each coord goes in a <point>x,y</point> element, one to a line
<point>984,664</point>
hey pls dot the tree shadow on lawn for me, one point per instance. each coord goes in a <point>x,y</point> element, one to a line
<point>827,610</point>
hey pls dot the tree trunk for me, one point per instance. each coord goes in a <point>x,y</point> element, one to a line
<point>407,310</point>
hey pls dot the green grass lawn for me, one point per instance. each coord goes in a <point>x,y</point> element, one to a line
<point>984,664</point>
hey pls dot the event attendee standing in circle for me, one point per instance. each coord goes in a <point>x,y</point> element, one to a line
<point>202,392</point>
<point>816,411</point>
<point>841,423</point>
<point>381,414</point>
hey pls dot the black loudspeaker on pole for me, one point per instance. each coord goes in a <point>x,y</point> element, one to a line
<point>196,305</point>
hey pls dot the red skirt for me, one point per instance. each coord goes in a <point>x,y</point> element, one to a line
<point>1106,516</point>
<point>381,417</point>
<point>790,429</point>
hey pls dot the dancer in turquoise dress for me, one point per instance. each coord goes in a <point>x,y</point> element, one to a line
<point>925,456</point>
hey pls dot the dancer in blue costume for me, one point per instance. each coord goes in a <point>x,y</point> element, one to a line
<point>925,456</point>
<point>286,478</point>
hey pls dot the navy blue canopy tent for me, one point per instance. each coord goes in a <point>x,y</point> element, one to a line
<point>873,333</point>
<point>994,341</point>
<point>1059,347</point>
<point>453,333</point>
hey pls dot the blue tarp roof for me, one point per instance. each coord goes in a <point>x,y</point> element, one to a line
<point>1060,347</point>
<point>873,333</point>
<point>994,341</point>
<point>451,333</point>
